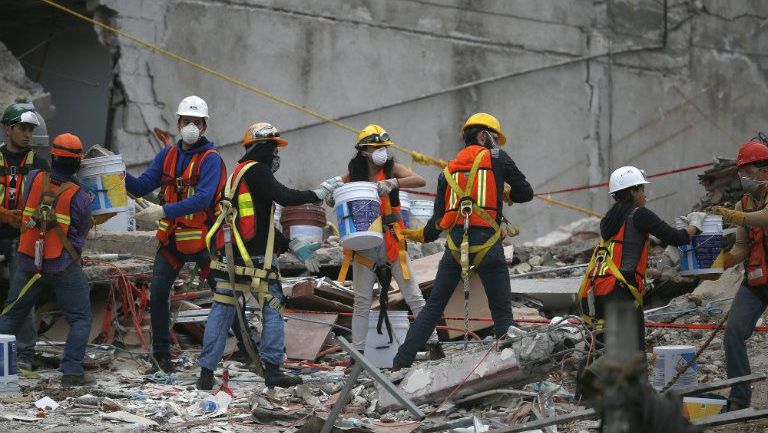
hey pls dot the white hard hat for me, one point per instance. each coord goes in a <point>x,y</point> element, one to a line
<point>193,106</point>
<point>626,177</point>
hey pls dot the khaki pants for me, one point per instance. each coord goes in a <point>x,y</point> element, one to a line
<point>363,280</point>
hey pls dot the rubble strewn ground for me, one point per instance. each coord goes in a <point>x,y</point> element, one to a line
<point>532,375</point>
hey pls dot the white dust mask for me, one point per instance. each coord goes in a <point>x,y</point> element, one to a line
<point>190,134</point>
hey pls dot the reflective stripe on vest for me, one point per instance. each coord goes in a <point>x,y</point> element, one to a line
<point>189,230</point>
<point>603,272</point>
<point>10,198</point>
<point>61,207</point>
<point>757,262</point>
<point>483,192</point>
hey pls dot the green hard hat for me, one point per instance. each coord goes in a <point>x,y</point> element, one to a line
<point>19,113</point>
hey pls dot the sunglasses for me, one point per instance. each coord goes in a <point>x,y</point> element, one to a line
<point>375,138</point>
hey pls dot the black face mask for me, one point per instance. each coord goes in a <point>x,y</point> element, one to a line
<point>68,166</point>
<point>275,164</point>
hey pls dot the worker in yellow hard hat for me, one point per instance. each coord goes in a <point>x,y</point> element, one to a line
<point>373,162</point>
<point>469,207</point>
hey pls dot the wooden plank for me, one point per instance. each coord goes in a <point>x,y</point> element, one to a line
<point>537,425</point>
<point>732,417</point>
<point>712,386</point>
<point>303,340</point>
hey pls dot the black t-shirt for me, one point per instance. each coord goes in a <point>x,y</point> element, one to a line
<point>15,159</point>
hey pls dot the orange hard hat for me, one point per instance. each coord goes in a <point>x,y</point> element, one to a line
<point>67,145</point>
<point>262,132</point>
<point>752,151</point>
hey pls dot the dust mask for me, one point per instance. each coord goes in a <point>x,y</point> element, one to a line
<point>275,164</point>
<point>380,156</point>
<point>190,134</point>
<point>749,185</point>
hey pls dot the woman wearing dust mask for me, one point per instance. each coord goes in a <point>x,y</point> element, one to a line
<point>373,162</point>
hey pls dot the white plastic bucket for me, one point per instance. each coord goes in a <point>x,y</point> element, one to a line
<point>359,215</point>
<point>124,221</point>
<point>666,361</point>
<point>421,212</point>
<point>9,379</point>
<point>378,349</point>
<point>104,177</point>
<point>405,208</point>
<point>704,254</point>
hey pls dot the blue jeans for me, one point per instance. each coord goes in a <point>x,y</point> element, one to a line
<point>493,273</point>
<point>163,276</point>
<point>220,318</point>
<point>26,335</point>
<point>746,309</point>
<point>73,295</point>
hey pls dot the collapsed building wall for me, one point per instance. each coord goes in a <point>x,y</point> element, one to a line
<point>684,81</point>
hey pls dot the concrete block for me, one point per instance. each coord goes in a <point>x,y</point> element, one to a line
<point>138,243</point>
<point>556,294</point>
<point>431,382</point>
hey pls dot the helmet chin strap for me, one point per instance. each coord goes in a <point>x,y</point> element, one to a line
<point>490,143</point>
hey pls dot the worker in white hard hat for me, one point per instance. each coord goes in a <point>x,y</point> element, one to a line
<point>191,176</point>
<point>617,268</point>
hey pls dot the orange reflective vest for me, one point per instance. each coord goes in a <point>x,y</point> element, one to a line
<point>470,177</point>
<point>9,196</point>
<point>394,242</point>
<point>46,216</point>
<point>756,266</point>
<point>245,219</point>
<point>604,270</point>
<point>189,231</point>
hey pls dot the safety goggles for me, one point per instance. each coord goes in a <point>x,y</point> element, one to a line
<point>374,138</point>
<point>749,171</point>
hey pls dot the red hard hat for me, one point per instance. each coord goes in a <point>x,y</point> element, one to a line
<point>67,145</point>
<point>752,151</point>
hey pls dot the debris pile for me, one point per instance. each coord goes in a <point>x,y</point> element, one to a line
<point>722,185</point>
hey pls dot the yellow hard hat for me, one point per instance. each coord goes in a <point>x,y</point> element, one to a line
<point>263,131</point>
<point>373,135</point>
<point>488,121</point>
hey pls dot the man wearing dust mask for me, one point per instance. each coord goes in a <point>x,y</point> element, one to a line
<point>751,216</point>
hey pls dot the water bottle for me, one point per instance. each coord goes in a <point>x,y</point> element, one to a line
<point>208,406</point>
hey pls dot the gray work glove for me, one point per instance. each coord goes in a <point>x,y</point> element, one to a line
<point>305,251</point>
<point>386,186</point>
<point>696,219</point>
<point>326,188</point>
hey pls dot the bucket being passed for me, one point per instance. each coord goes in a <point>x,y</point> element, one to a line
<point>666,361</point>
<point>303,222</point>
<point>358,211</point>
<point>378,349</point>
<point>704,254</point>
<point>104,177</point>
<point>421,212</point>
<point>9,379</point>
<point>405,208</point>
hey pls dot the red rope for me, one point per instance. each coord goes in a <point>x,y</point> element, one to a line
<point>585,187</point>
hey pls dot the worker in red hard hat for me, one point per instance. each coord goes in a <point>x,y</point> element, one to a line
<point>751,216</point>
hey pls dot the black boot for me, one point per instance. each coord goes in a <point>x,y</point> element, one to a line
<point>205,381</point>
<point>73,380</point>
<point>274,377</point>
<point>160,361</point>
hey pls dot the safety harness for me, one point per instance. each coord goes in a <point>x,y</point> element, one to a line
<point>9,195</point>
<point>260,276</point>
<point>43,217</point>
<point>603,271</point>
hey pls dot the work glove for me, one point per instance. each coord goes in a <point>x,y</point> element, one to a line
<point>152,213</point>
<point>414,235</point>
<point>11,217</point>
<point>326,188</point>
<point>330,201</point>
<point>696,219</point>
<point>730,215</point>
<point>729,260</point>
<point>305,251</point>
<point>384,187</point>
<point>507,196</point>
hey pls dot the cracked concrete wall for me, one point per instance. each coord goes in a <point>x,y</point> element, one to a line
<point>662,100</point>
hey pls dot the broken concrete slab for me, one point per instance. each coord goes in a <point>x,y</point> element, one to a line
<point>474,369</point>
<point>556,294</point>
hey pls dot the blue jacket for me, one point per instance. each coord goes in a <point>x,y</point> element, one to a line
<point>205,191</point>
